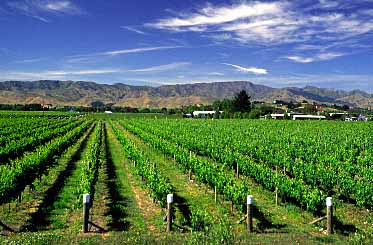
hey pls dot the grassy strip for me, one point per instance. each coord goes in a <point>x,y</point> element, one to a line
<point>154,181</point>
<point>100,206</point>
<point>65,212</point>
<point>123,209</point>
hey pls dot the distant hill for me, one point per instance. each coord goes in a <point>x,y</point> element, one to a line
<point>83,93</point>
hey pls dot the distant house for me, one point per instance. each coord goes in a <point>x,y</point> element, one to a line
<point>278,116</point>
<point>332,114</point>
<point>204,113</point>
<point>308,117</point>
<point>108,112</point>
<point>351,119</point>
<point>320,108</point>
<point>337,115</point>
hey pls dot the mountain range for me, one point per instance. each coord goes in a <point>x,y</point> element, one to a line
<point>81,93</point>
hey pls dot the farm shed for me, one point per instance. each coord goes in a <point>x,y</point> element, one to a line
<point>278,116</point>
<point>204,113</point>
<point>308,117</point>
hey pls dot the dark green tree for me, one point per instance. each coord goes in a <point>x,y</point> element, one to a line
<point>241,102</point>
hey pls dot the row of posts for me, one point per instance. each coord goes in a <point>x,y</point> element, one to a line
<point>249,215</point>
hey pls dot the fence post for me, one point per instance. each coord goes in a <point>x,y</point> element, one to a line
<point>215,194</point>
<point>329,215</point>
<point>276,189</point>
<point>250,202</point>
<point>86,204</point>
<point>170,200</point>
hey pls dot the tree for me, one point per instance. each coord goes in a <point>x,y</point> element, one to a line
<point>241,102</point>
<point>345,107</point>
<point>98,105</point>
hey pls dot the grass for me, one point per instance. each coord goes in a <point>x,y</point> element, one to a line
<point>125,214</point>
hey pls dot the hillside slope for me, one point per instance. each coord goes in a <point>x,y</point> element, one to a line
<point>83,93</point>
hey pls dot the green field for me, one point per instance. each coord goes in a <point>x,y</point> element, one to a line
<point>129,163</point>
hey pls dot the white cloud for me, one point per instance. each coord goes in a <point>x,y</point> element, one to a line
<point>26,61</point>
<point>133,29</point>
<point>212,15</point>
<point>215,74</point>
<point>136,50</point>
<point>167,67</point>
<point>60,6</point>
<point>38,8</point>
<point>62,73</point>
<point>270,23</point>
<point>80,74</point>
<point>318,57</point>
<point>300,59</point>
<point>254,70</point>
<point>328,4</point>
<point>112,53</point>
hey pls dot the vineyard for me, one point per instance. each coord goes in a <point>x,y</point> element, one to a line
<point>129,164</point>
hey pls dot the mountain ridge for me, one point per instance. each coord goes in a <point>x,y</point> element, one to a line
<point>82,93</point>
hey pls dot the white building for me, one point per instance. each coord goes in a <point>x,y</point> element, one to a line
<point>204,113</point>
<point>278,116</point>
<point>308,117</point>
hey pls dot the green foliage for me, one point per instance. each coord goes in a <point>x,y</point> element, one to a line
<point>307,155</point>
<point>16,175</point>
<point>205,171</point>
<point>91,163</point>
<point>241,102</point>
<point>159,185</point>
<point>201,220</point>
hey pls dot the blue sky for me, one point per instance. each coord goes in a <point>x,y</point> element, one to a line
<point>276,43</point>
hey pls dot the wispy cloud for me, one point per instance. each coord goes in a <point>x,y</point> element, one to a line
<point>62,73</point>
<point>27,61</point>
<point>254,70</point>
<point>271,23</point>
<point>215,74</point>
<point>37,9</point>
<point>133,29</point>
<point>214,15</point>
<point>318,57</point>
<point>167,67</point>
<point>300,59</point>
<point>112,53</point>
<point>66,74</point>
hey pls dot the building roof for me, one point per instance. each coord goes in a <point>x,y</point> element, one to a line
<point>195,113</point>
<point>309,117</point>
